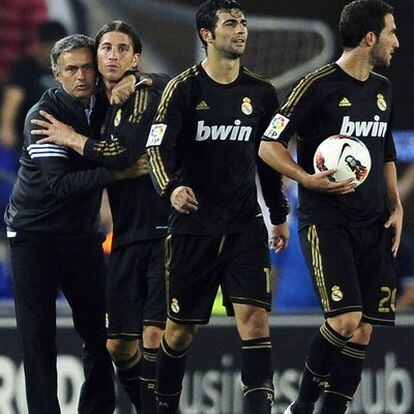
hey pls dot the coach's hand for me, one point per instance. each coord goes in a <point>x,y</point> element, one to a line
<point>184,200</point>
<point>58,133</point>
<point>320,182</point>
<point>279,239</point>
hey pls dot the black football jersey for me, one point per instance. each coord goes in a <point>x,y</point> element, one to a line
<point>329,102</point>
<point>138,212</point>
<point>205,136</point>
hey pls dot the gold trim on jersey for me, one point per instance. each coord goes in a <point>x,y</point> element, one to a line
<point>390,321</point>
<point>303,86</point>
<point>248,300</point>
<point>170,88</point>
<point>140,105</point>
<point>157,167</point>
<point>167,263</point>
<point>318,267</point>
<point>256,76</point>
<point>109,149</point>
<point>378,75</point>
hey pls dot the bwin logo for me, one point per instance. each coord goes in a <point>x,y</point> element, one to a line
<point>223,132</point>
<point>364,128</point>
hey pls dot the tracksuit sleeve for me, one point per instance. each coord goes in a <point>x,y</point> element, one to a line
<point>53,163</point>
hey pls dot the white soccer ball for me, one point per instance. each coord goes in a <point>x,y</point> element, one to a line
<point>347,154</point>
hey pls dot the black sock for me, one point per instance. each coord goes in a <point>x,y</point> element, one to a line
<point>129,376</point>
<point>170,370</point>
<point>344,379</point>
<point>325,349</point>
<point>148,380</point>
<point>257,373</point>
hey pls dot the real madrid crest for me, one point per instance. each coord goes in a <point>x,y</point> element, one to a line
<point>337,294</point>
<point>117,119</point>
<point>175,307</point>
<point>382,105</point>
<point>246,106</point>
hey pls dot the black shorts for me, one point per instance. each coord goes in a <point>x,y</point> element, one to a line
<point>352,270</point>
<point>135,289</point>
<point>197,265</point>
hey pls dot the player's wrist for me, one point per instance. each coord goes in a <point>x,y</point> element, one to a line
<point>305,179</point>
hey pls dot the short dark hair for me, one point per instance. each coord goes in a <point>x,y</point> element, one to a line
<point>69,43</point>
<point>50,31</point>
<point>206,17</point>
<point>360,17</point>
<point>120,26</point>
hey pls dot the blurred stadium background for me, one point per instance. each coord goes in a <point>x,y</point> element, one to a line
<point>287,39</point>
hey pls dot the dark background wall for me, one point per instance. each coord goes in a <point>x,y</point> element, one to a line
<point>169,27</point>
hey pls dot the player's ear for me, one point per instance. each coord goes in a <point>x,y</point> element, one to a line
<point>135,60</point>
<point>370,39</point>
<point>206,35</point>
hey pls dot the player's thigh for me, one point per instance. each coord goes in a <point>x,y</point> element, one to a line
<point>377,277</point>
<point>126,291</point>
<point>329,253</point>
<point>192,277</point>
<point>247,269</point>
<point>155,303</point>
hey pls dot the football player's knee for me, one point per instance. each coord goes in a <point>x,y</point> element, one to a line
<point>152,336</point>
<point>178,336</point>
<point>256,324</point>
<point>346,324</point>
<point>120,350</point>
<point>362,334</point>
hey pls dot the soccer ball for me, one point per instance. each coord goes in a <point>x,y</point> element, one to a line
<point>347,154</point>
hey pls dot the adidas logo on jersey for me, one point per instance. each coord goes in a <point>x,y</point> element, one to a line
<point>345,102</point>
<point>223,132</point>
<point>202,106</point>
<point>364,128</point>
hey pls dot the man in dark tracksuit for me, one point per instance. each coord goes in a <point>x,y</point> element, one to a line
<point>135,290</point>
<point>52,221</point>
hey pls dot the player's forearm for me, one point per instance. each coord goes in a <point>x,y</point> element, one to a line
<point>112,154</point>
<point>271,184</point>
<point>278,157</point>
<point>390,174</point>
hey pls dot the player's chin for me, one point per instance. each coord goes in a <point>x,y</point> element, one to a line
<point>113,76</point>
<point>235,54</point>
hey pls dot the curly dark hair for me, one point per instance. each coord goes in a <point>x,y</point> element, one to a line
<point>206,17</point>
